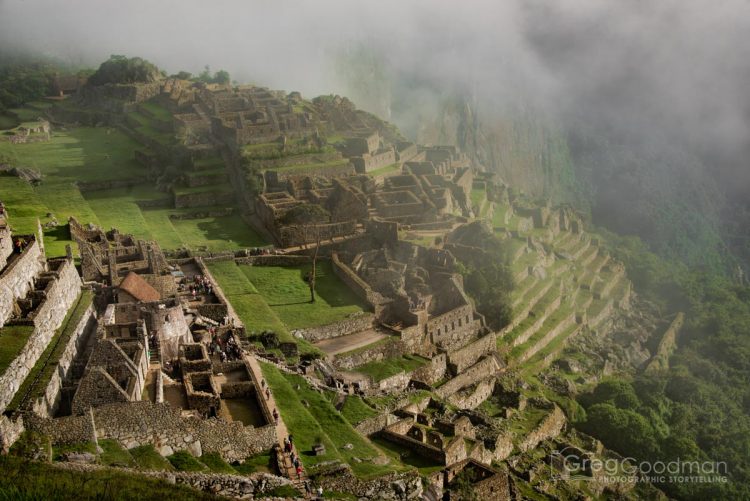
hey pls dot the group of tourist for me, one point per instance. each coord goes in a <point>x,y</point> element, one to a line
<point>226,350</point>
<point>201,285</point>
<point>20,244</point>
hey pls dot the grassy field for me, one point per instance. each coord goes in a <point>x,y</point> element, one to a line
<point>391,366</point>
<point>93,154</point>
<point>319,421</point>
<point>288,294</point>
<point>277,298</point>
<point>247,302</point>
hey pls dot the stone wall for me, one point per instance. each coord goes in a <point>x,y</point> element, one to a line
<point>391,487</point>
<point>355,323</point>
<point>221,484</point>
<point>356,284</point>
<point>141,423</point>
<point>60,294</point>
<point>467,356</point>
<point>472,399</point>
<point>550,427</point>
<point>433,371</point>
<point>451,330</point>
<point>11,429</point>
<point>203,198</point>
<point>215,312</point>
<point>372,425</point>
<point>549,336</point>
<point>17,278</point>
<point>377,353</point>
<point>483,369</point>
<point>274,260</point>
<point>47,402</point>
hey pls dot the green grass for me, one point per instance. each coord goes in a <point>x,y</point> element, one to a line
<point>391,366</point>
<point>114,455</point>
<point>184,461</point>
<point>319,421</point>
<point>79,154</point>
<point>251,306</point>
<point>118,208</point>
<point>158,111</point>
<point>28,480</point>
<point>8,121</point>
<point>59,450</point>
<point>384,170</point>
<point>216,188</point>
<point>12,340</point>
<point>40,375</point>
<point>146,458</point>
<point>304,167</point>
<point>407,456</point>
<point>103,154</point>
<point>231,280</point>
<point>216,463</point>
<point>288,294</point>
<point>218,233</point>
<point>253,464</point>
<point>355,410</point>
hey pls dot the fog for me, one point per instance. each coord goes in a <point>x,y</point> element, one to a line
<point>677,69</point>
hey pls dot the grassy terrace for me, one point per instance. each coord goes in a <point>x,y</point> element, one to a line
<point>278,298</point>
<point>92,154</point>
<point>384,170</point>
<point>12,340</point>
<point>36,382</point>
<point>158,111</point>
<point>552,321</point>
<point>304,167</point>
<point>288,294</point>
<point>319,421</point>
<point>208,163</point>
<point>251,306</point>
<point>355,410</point>
<point>217,188</point>
<point>391,366</point>
<point>536,363</point>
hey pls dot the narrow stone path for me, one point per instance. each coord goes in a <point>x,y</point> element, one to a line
<point>269,402</point>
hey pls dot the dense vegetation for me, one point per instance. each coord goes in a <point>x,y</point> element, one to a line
<point>25,78</point>
<point>125,70</point>
<point>698,409</point>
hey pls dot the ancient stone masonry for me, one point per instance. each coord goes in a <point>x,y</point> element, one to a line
<point>161,425</point>
<point>43,310</point>
<point>343,328</point>
<point>45,396</point>
<point>16,277</point>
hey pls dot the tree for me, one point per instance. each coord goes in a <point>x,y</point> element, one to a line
<point>305,222</point>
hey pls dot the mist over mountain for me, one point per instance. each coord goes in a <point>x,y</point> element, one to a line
<point>640,94</point>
